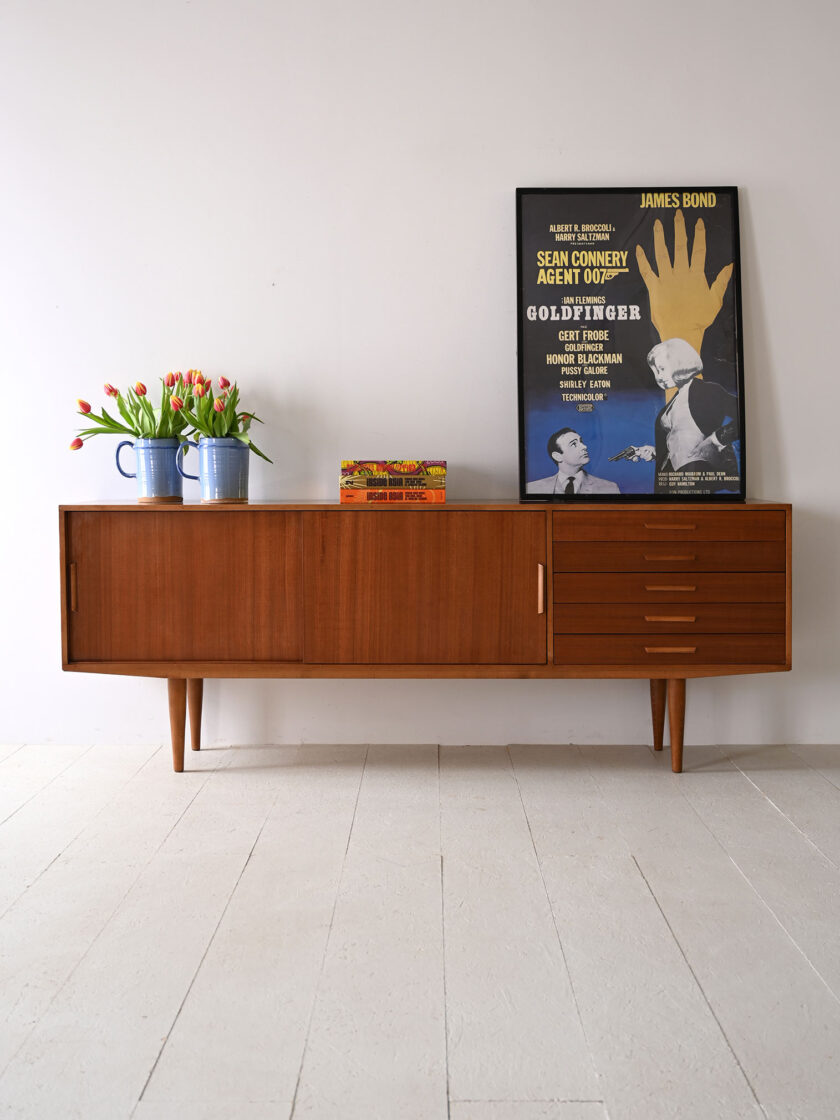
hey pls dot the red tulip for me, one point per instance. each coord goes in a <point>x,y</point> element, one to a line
<point>188,380</point>
<point>110,390</point>
<point>177,403</point>
<point>83,406</point>
<point>219,405</point>
<point>198,388</point>
<point>223,383</point>
<point>140,389</point>
<point>198,377</point>
<point>169,380</point>
<point>76,444</point>
<point>246,416</point>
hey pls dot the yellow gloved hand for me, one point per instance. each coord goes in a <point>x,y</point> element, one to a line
<point>682,304</point>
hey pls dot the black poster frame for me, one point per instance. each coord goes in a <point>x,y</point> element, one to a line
<point>549,220</point>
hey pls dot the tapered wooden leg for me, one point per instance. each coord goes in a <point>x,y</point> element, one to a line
<point>195,694</point>
<point>657,711</point>
<point>177,720</point>
<point>676,721</point>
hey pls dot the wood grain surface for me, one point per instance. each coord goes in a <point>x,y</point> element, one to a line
<point>445,587</point>
<point>740,523</point>
<point>684,556</point>
<point>669,618</point>
<point>669,587</point>
<point>152,587</point>
<point>666,650</point>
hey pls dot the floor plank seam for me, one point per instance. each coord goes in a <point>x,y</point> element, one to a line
<point>589,1047</point>
<point>527,1100</point>
<point>700,988</point>
<point>628,845</point>
<point>796,749</point>
<point>207,947</point>
<point>141,871</point>
<point>834,995</point>
<point>782,813</point>
<point>319,981</point>
<point>83,829</point>
<point>443,944</point>
<point>46,785</point>
<point>757,892</point>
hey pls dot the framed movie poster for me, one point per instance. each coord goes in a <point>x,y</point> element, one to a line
<point>630,353</point>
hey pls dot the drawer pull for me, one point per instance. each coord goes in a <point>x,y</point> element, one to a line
<point>540,588</point>
<point>670,618</point>
<point>687,528</point>
<point>670,649</point>
<point>670,587</point>
<point>74,589</point>
<point>653,556</point>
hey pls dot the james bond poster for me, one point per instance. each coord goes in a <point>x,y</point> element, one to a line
<point>630,362</point>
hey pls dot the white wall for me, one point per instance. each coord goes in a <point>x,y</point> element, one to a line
<point>319,200</point>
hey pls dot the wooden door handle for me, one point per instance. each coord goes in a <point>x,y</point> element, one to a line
<point>670,618</point>
<point>670,649</point>
<point>687,528</point>
<point>74,589</point>
<point>654,556</point>
<point>540,588</point>
<point>670,587</point>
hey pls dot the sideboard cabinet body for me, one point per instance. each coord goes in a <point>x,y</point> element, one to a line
<point>467,590</point>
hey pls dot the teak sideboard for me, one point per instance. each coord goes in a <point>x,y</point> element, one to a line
<point>662,592</point>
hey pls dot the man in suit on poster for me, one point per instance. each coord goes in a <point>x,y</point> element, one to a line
<point>570,454</point>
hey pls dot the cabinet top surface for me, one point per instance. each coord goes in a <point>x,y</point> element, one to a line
<point>477,504</point>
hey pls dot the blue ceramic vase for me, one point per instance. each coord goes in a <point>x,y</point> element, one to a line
<point>157,474</point>
<point>222,469</point>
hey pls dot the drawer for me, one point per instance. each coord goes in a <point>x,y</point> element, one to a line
<point>669,618</point>
<point>688,556</point>
<point>674,649</point>
<point>669,587</point>
<point>677,525</point>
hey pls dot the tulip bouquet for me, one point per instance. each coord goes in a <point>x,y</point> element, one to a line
<point>215,415</point>
<point>139,418</point>
<point>188,408</point>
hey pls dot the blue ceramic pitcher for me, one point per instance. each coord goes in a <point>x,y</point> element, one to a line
<point>157,475</point>
<point>222,468</point>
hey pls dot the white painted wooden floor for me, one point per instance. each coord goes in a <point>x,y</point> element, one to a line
<point>414,933</point>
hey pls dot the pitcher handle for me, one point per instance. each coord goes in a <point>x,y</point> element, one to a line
<point>180,456</point>
<point>120,446</point>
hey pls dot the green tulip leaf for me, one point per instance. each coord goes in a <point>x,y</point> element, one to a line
<point>127,414</point>
<point>253,447</point>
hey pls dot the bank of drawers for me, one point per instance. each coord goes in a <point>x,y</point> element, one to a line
<point>689,588</point>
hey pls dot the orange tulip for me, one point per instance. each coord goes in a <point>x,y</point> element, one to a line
<point>83,406</point>
<point>76,444</point>
<point>177,403</point>
<point>140,389</point>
